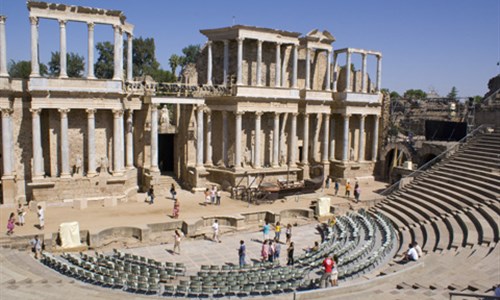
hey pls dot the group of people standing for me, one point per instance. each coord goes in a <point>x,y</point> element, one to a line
<point>212,196</point>
<point>271,248</point>
<point>348,188</point>
<point>21,213</point>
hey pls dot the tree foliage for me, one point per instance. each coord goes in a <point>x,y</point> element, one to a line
<point>453,94</point>
<point>104,66</point>
<point>143,60</point>
<point>75,64</point>
<point>174,61</point>
<point>191,54</point>
<point>415,94</point>
<point>22,69</point>
<point>395,95</point>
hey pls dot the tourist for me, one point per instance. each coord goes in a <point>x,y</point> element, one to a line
<point>348,189</point>
<point>335,271</point>
<point>36,247</point>
<point>213,194</point>
<point>219,195</point>
<point>215,228</point>
<point>290,254</point>
<point>411,254</point>
<point>20,214</point>
<point>177,209</point>
<point>418,249</point>
<point>177,240</point>
<point>41,217</point>
<point>333,221</point>
<point>151,195</point>
<point>207,196</point>
<point>277,232</point>
<point>288,233</point>
<point>242,251</point>
<point>11,224</point>
<point>270,254</point>
<point>265,230</point>
<point>277,250</point>
<point>327,182</point>
<point>264,251</point>
<point>336,187</point>
<point>173,193</point>
<point>326,278</point>
<point>357,192</point>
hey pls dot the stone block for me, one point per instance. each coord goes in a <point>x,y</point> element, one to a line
<point>323,206</point>
<point>80,204</point>
<point>110,202</point>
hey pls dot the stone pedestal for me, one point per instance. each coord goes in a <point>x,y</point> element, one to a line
<point>80,204</point>
<point>9,190</point>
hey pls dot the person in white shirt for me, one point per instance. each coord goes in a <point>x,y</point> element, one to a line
<point>215,227</point>
<point>412,254</point>
<point>41,217</point>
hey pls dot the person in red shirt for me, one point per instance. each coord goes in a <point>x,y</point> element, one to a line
<point>327,275</point>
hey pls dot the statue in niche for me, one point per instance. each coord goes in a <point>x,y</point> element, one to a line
<point>351,156</point>
<point>165,116</point>
<point>103,165</point>
<point>78,166</point>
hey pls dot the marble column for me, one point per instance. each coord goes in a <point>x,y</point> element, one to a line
<point>326,133</point>
<point>130,53</point>
<point>292,161</point>
<point>283,69</point>
<point>38,171</point>
<point>348,71</point>
<point>379,73</point>
<point>117,74</point>
<point>130,139</point>
<point>361,150</point>
<point>237,140</point>
<point>3,48</point>
<point>257,150</point>
<point>239,63</point>
<point>259,63</point>
<point>62,53</point>
<point>375,138</point>
<point>277,70</point>
<point>294,66</point>
<point>117,141</point>
<point>154,138</point>
<point>308,68</point>
<point>305,148</point>
<point>225,70</point>
<point>332,137</point>
<point>199,136</point>
<point>208,160</point>
<point>328,69</point>
<point>224,138</point>
<point>35,66</point>
<point>335,73</point>
<point>364,74</point>
<point>7,142</point>
<point>345,139</point>
<point>276,140</point>
<point>209,63</point>
<point>65,170</point>
<point>91,142</point>
<point>90,51</point>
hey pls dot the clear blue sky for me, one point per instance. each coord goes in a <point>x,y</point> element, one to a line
<point>425,43</point>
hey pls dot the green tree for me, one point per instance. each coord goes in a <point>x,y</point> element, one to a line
<point>75,64</point>
<point>395,95</point>
<point>191,54</point>
<point>414,94</point>
<point>144,58</point>
<point>22,69</point>
<point>478,99</point>
<point>174,61</point>
<point>104,66</point>
<point>453,94</point>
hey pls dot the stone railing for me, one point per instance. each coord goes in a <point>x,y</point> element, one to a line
<point>175,89</point>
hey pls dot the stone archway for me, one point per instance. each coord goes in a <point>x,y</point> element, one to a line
<point>387,156</point>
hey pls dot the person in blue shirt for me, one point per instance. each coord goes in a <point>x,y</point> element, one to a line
<point>242,253</point>
<point>266,230</point>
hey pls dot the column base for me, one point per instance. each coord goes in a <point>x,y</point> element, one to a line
<point>8,190</point>
<point>209,164</point>
<point>130,167</point>
<point>63,76</point>
<point>65,175</point>
<point>91,174</point>
<point>155,169</point>
<point>275,166</point>
<point>117,174</point>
